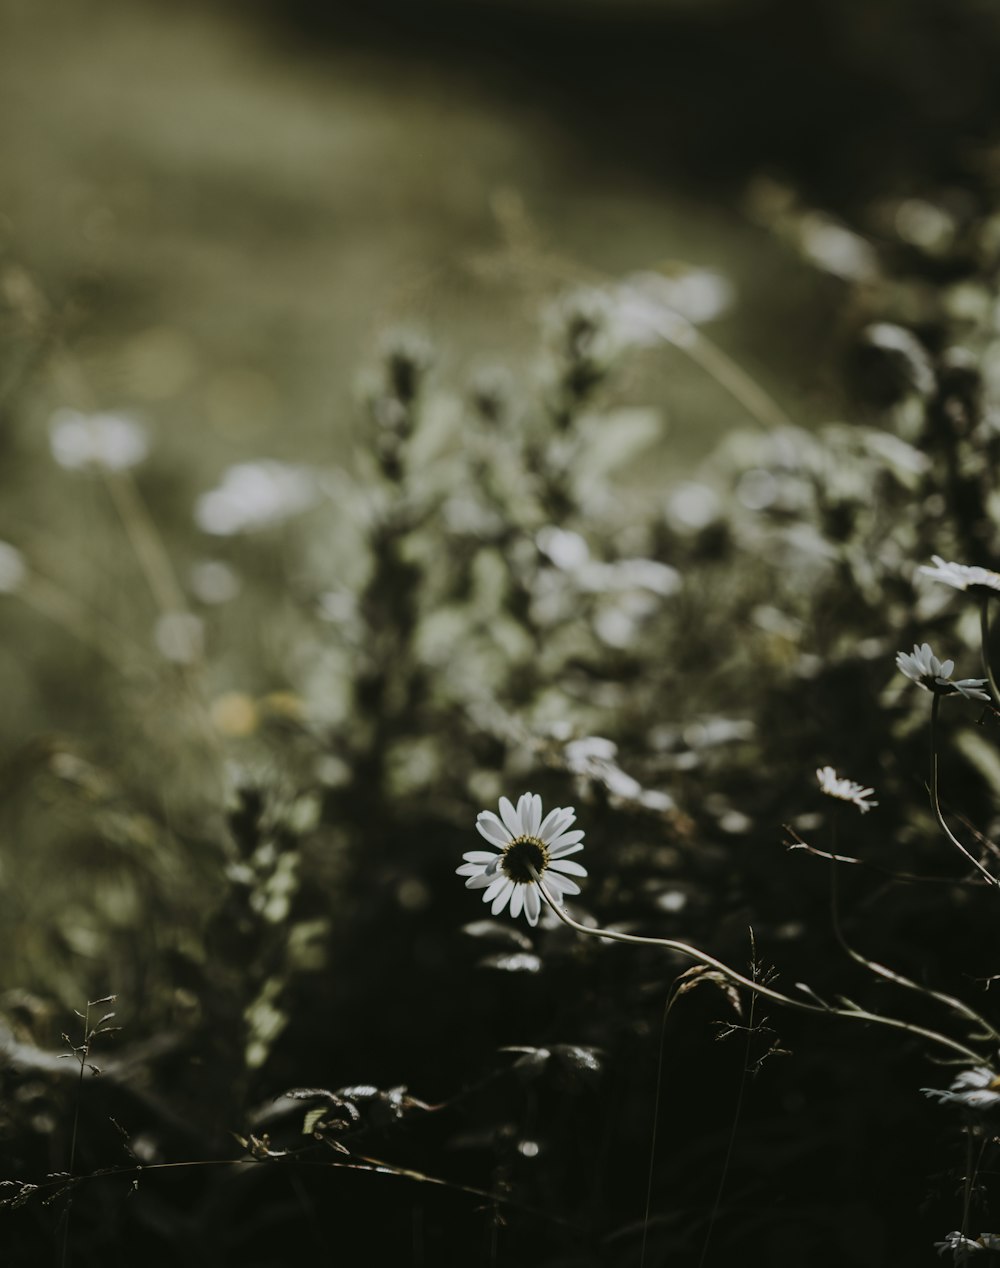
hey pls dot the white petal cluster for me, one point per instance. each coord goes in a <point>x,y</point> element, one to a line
<point>524,846</point>
<point>977,1088</point>
<point>962,576</point>
<point>960,1245</point>
<point>255,495</point>
<point>111,441</point>
<point>924,668</point>
<point>845,789</point>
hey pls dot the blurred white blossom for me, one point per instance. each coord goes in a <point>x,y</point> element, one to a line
<point>961,1246</point>
<point>978,1088</point>
<point>650,307</point>
<point>111,441</point>
<point>962,576</point>
<point>629,574</point>
<point>924,668</point>
<point>593,758</point>
<point>844,789</point>
<point>254,495</point>
<point>836,249</point>
<point>13,569</point>
<point>567,550</point>
<point>180,637</point>
<point>213,581</point>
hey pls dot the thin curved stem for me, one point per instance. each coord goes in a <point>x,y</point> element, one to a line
<point>936,802</point>
<point>984,627</point>
<point>909,877</point>
<point>730,375</point>
<point>758,988</point>
<point>890,975</point>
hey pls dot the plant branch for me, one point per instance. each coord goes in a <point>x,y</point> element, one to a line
<point>853,1013</point>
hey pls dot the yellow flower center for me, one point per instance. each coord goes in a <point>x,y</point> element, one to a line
<point>523,854</point>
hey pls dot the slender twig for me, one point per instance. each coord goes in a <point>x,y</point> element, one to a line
<point>737,1115</point>
<point>891,975</point>
<point>853,1013</point>
<point>146,542</point>
<point>356,1162</point>
<point>682,334</point>
<point>936,802</point>
<point>984,627</point>
<point>848,859</point>
<point>656,1120</point>
<point>82,1054</point>
<point>759,404</point>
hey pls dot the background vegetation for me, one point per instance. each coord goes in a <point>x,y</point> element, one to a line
<point>394,419</point>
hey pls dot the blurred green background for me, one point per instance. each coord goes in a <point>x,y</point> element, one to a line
<point>235,213</point>
<point>211,215</point>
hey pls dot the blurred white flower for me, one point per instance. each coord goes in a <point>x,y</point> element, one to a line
<point>180,637</point>
<point>629,574</point>
<point>961,1246</point>
<point>836,249</point>
<point>650,307</point>
<point>692,506</point>
<point>213,581</point>
<point>844,789</point>
<point>567,550</point>
<point>254,495</point>
<point>13,569</point>
<point>111,441</point>
<point>924,668</point>
<point>962,576</point>
<point>524,847</point>
<point>978,1088</point>
<point>593,758</point>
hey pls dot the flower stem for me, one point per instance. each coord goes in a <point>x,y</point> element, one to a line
<point>81,1056</point>
<point>984,626</point>
<point>890,975</point>
<point>758,988</point>
<point>936,802</point>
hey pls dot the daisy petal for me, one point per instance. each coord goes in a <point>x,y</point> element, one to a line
<point>500,902</point>
<point>560,851</point>
<point>492,829</point>
<point>558,821</point>
<point>534,815</point>
<point>480,881</point>
<point>469,869</point>
<point>480,856</point>
<point>561,884</point>
<point>564,838</point>
<point>568,867</point>
<point>517,900</point>
<point>548,824</point>
<point>532,904</point>
<point>496,884</point>
<point>511,819</point>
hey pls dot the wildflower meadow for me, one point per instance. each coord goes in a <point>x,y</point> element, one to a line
<point>490,840</point>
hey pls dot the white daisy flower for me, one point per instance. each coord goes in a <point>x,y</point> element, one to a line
<point>977,1089</point>
<point>934,675</point>
<point>844,789</point>
<point>962,576</point>
<point>959,1244</point>
<point>524,846</point>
